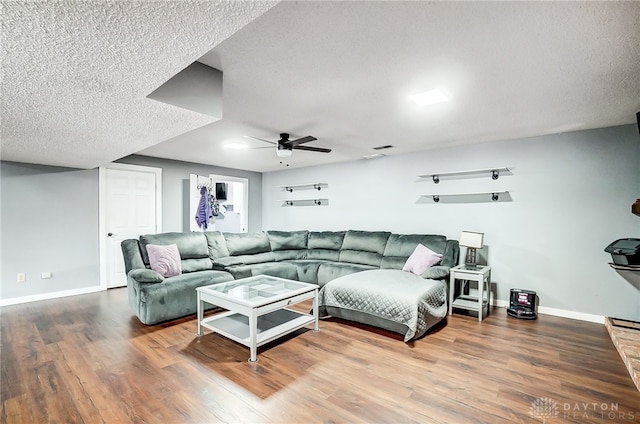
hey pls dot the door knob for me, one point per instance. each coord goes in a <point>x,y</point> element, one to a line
<point>110,234</point>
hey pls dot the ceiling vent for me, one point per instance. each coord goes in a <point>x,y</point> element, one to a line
<point>388,146</point>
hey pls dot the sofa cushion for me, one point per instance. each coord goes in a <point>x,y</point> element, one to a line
<point>164,259</point>
<point>366,241</point>
<point>258,258</point>
<point>307,269</point>
<point>275,269</point>
<point>364,247</point>
<point>190,245</point>
<point>193,249</point>
<point>247,243</point>
<point>288,240</point>
<point>323,254</point>
<point>217,244</point>
<point>360,257</point>
<point>403,245</point>
<point>329,240</point>
<point>286,255</point>
<point>400,246</point>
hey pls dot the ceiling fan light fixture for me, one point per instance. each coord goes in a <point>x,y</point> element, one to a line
<point>283,153</point>
<point>430,97</point>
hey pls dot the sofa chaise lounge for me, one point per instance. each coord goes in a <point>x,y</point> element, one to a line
<point>352,268</point>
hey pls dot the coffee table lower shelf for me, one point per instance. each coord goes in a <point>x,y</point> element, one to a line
<point>270,326</point>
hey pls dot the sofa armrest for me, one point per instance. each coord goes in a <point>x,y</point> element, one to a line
<point>131,254</point>
<point>450,254</point>
<point>437,272</point>
<point>145,276</point>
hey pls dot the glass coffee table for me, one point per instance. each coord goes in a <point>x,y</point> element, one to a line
<point>257,310</point>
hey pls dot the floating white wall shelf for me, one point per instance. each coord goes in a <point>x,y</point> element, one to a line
<point>494,172</point>
<point>313,186</point>
<point>495,195</point>
<point>305,202</point>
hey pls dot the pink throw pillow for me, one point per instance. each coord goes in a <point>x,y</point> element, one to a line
<point>165,260</point>
<point>421,259</point>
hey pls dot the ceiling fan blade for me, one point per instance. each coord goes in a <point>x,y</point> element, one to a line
<point>313,149</point>
<point>260,139</point>
<point>258,148</point>
<point>301,140</point>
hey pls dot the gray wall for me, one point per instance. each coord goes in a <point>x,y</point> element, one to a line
<point>175,189</point>
<point>571,196</point>
<point>49,221</point>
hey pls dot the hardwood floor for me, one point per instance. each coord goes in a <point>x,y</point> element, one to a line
<point>87,359</point>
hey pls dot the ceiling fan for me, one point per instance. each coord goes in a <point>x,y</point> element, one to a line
<point>284,146</point>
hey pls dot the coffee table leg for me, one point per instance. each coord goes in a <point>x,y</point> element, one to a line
<point>199,317</point>
<point>253,336</point>
<point>315,312</point>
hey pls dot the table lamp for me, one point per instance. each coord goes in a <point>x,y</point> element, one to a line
<point>471,241</point>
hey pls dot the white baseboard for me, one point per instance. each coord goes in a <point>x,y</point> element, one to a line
<point>496,302</point>
<point>558,312</point>
<point>47,296</point>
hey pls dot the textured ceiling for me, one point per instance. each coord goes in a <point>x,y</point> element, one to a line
<point>76,75</point>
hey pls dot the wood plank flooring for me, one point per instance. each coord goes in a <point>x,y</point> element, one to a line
<point>87,359</point>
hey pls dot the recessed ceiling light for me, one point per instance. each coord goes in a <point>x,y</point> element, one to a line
<point>430,97</point>
<point>235,146</point>
<point>374,155</point>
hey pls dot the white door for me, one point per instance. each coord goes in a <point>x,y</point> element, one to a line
<point>130,207</point>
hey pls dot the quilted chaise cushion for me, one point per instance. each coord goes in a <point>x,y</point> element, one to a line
<point>288,240</point>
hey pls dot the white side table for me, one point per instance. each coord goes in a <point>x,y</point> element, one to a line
<point>465,273</point>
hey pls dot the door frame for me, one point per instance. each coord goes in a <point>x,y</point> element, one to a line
<point>102,208</point>
<point>217,177</point>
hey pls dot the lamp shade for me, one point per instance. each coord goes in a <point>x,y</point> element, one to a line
<point>471,239</point>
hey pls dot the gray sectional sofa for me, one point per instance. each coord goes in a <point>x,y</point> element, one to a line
<point>308,256</point>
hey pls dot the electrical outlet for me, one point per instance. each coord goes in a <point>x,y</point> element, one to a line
<point>46,274</point>
<point>22,277</point>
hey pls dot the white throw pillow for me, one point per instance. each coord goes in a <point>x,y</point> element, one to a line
<point>421,259</point>
<point>165,260</point>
